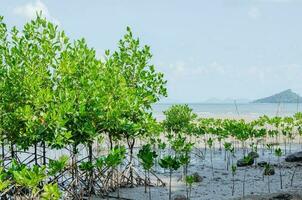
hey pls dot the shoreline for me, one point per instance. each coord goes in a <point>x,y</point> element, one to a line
<point>219,186</point>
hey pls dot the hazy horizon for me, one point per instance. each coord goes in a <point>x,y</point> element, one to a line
<point>207,49</point>
<point>215,100</point>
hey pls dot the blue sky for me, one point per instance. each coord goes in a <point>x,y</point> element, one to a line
<point>206,48</point>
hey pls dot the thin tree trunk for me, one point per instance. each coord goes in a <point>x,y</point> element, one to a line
<point>292,178</point>
<point>118,185</point>
<point>74,168</point>
<point>90,183</point>
<point>112,169</point>
<point>285,146</point>
<point>131,143</point>
<point>170,195</point>
<point>212,162</point>
<point>268,183</point>
<point>220,146</point>
<point>281,183</point>
<point>145,181</point>
<point>205,145</point>
<point>36,158</point>
<point>233,187</point>
<point>44,153</point>
<point>187,190</point>
<point>243,189</point>
<point>12,150</point>
<point>149,185</point>
<point>111,142</point>
<point>3,153</point>
<point>228,163</point>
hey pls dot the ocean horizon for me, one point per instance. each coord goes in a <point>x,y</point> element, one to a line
<point>232,110</point>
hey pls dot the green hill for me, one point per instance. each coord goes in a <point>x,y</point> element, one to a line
<point>287,96</point>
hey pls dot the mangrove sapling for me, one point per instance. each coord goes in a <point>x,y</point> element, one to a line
<point>267,172</point>
<point>234,169</point>
<point>269,148</point>
<point>182,150</point>
<point>227,150</point>
<point>147,157</point>
<point>232,152</point>
<point>51,192</point>
<point>288,123</point>
<point>184,160</point>
<point>57,166</point>
<point>88,167</point>
<point>254,148</point>
<point>247,159</point>
<point>210,144</point>
<point>184,156</point>
<point>30,178</point>
<point>278,153</point>
<point>171,163</point>
<point>114,159</point>
<point>179,120</point>
<point>242,132</point>
<point>4,181</point>
<point>220,147</point>
<point>189,182</point>
<point>161,146</point>
<point>142,126</point>
<point>227,146</point>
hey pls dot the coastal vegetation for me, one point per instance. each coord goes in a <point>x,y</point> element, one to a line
<point>58,97</point>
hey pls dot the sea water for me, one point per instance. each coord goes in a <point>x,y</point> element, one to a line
<point>239,110</point>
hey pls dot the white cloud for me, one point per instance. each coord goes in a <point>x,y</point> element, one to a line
<point>30,10</point>
<point>254,13</point>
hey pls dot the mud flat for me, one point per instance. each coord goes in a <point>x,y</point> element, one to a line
<point>290,195</point>
<point>219,186</point>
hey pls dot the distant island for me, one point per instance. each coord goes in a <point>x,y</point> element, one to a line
<point>287,96</point>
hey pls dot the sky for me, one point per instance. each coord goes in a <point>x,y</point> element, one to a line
<point>224,49</point>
